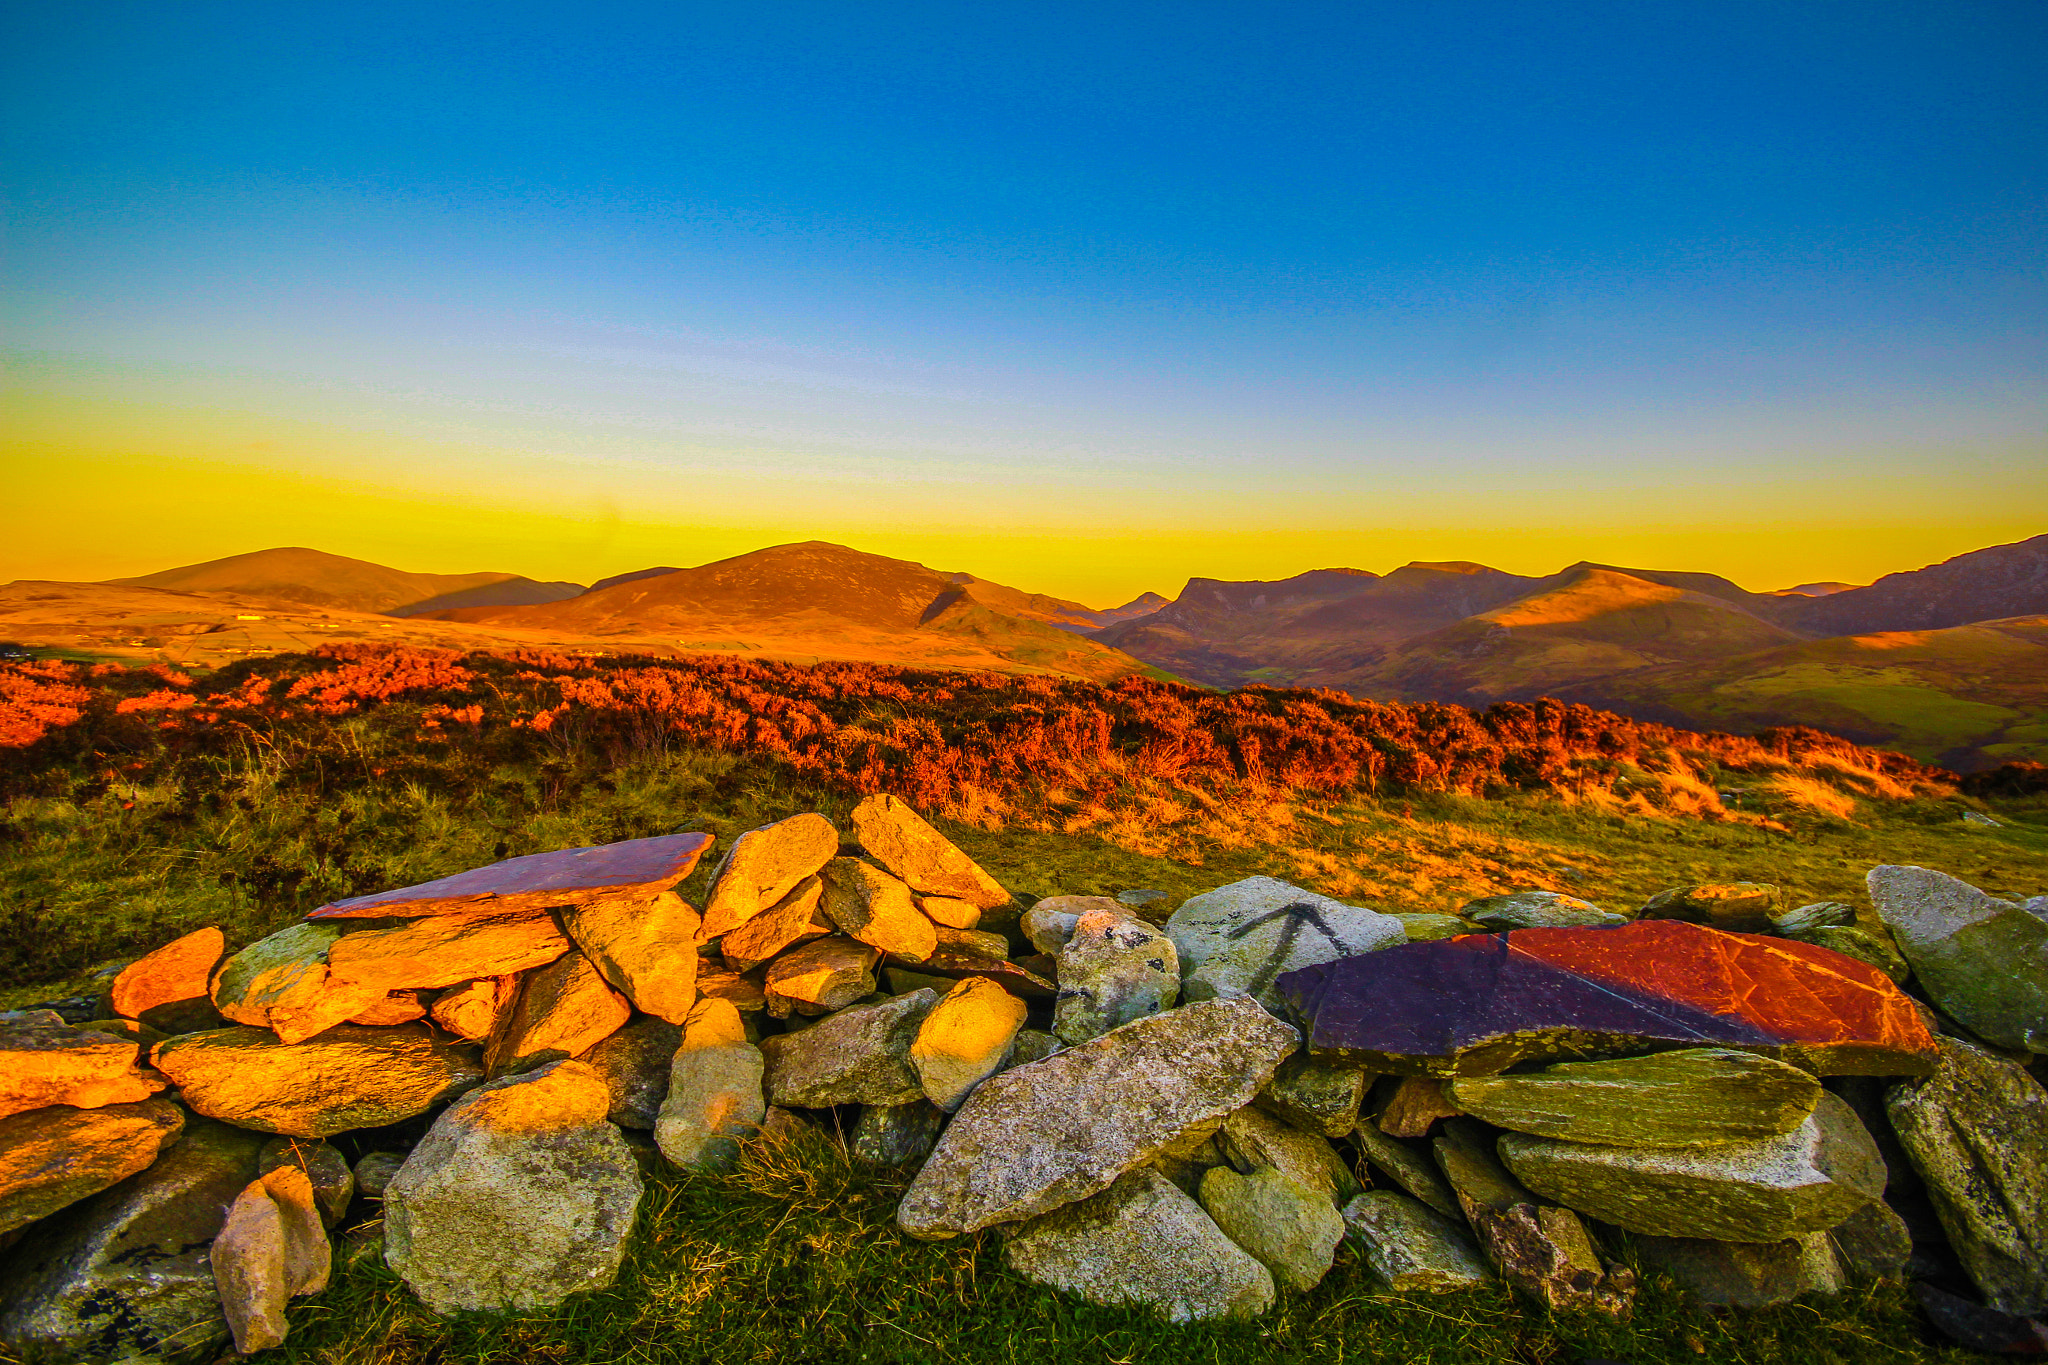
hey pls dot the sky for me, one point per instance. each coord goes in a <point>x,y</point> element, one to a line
<point>1084,298</point>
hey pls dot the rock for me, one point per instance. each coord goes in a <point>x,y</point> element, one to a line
<point>1763,1190</point>
<point>1239,939</point>
<point>51,1158</point>
<point>1252,1138</point>
<point>1032,1045</point>
<point>635,1064</point>
<point>1538,910</point>
<point>820,977</point>
<point>1694,1097</point>
<point>1544,1252</point>
<point>857,1056</point>
<point>1977,1132</point>
<point>1050,923</point>
<point>745,992</point>
<point>764,865</point>
<point>1415,1106</point>
<point>348,1077</point>
<point>1476,1005</point>
<point>1872,1244</point>
<point>474,1010</point>
<point>272,1247</point>
<point>796,918</point>
<point>563,1010</point>
<point>1291,1230</point>
<point>168,989</point>
<point>984,945</point>
<point>896,1134</point>
<point>898,838</point>
<point>374,1172</point>
<point>1428,928</point>
<point>966,1038</point>
<point>714,1092</point>
<point>1113,970</point>
<point>1015,977</point>
<point>870,905</point>
<point>284,983</point>
<point>1406,1167</point>
<point>41,1018</point>
<point>1813,916</point>
<point>1059,1130</point>
<point>1738,907</point>
<point>1316,1095</point>
<point>399,1007</point>
<point>538,881</point>
<point>1745,1274</point>
<point>1412,1248</point>
<point>645,947</point>
<point>124,1275</point>
<point>519,1196</point>
<point>130,1029</point>
<point>1979,1328</point>
<point>1865,944</point>
<point>1148,902</point>
<point>902,981</point>
<point>444,951</point>
<point>327,1172</point>
<point>950,911</point>
<point>45,1064</point>
<point>1141,1241</point>
<point>1982,960</point>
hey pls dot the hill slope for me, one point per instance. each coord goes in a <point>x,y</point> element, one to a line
<point>300,577</point>
<point>1984,585</point>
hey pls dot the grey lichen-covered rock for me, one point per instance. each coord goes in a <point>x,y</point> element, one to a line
<point>1059,1130</point>
<point>1977,1132</point>
<point>1983,960</point>
<point>1413,1247</point>
<point>327,1171</point>
<point>1763,1190</point>
<point>857,1056</point>
<point>1239,939</point>
<point>1693,1097</point>
<point>1250,1138</point>
<point>1406,1167</point>
<point>1050,922</point>
<point>635,1064</point>
<point>1142,1242</point>
<point>1740,907</point>
<point>1291,1230</point>
<point>1860,941</point>
<point>1815,915</point>
<point>1538,910</point>
<point>520,1195</point>
<point>1746,1274</point>
<point>967,1037</point>
<point>1320,1096</point>
<point>896,1134</point>
<point>124,1275</point>
<point>1872,1244</point>
<point>374,1171</point>
<point>715,1096</point>
<point>1112,970</point>
<point>51,1158</point>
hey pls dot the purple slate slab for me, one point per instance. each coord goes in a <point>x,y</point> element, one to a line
<point>538,881</point>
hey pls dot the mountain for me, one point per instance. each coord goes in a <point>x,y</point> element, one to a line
<point>1813,590</point>
<point>297,577</point>
<point>634,576</point>
<point>1984,585</point>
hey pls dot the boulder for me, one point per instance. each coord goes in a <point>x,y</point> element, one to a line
<point>1059,1130</point>
<point>714,1091</point>
<point>1818,914</point>
<point>1291,1230</point>
<point>1872,1244</point>
<point>1050,923</point>
<point>271,1248</point>
<point>635,1064</point>
<point>1865,944</point>
<point>1321,1096</point>
<point>820,977</point>
<point>967,1037</point>
<point>284,983</point>
<point>373,1173</point>
<point>1745,1274</point>
<point>950,911</point>
<point>1148,901</point>
<point>1694,1097</point>
<point>53,1157</point>
<point>537,881</point>
<point>896,1134</point>
<point>794,919</point>
<point>898,838</point>
<point>857,1056</point>
<point>1738,907</point>
<point>326,1170</point>
<point>1977,1132</point>
<point>124,1274</point>
<point>1241,938</point>
<point>870,905</point>
<point>167,989</point>
<point>1763,1190</point>
<point>1113,969</point>
<point>45,1064</point>
<point>1405,1166</point>
<point>348,1077</point>
<point>645,947</point>
<point>474,1010</point>
<point>1414,1106</point>
<point>1142,1242</point>
<point>563,1010</point>
<point>1982,960</point>
<point>1538,910</point>
<point>444,951</point>
<point>764,865</point>
<point>1413,1248</point>
<point>1251,1138</point>
<point>520,1195</point>
<point>1476,1005</point>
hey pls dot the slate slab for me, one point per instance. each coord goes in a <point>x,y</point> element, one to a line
<point>538,881</point>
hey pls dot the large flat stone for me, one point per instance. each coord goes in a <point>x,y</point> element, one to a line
<point>764,865</point>
<point>644,946</point>
<point>1478,1004</point>
<point>1983,960</point>
<point>45,1064</point>
<point>444,951</point>
<point>1242,938</point>
<point>1059,1130</point>
<point>351,1076</point>
<point>53,1157</point>
<point>167,989</point>
<point>1693,1097</point>
<point>537,881</point>
<point>899,839</point>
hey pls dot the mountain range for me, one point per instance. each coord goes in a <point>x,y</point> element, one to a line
<point>1949,662</point>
